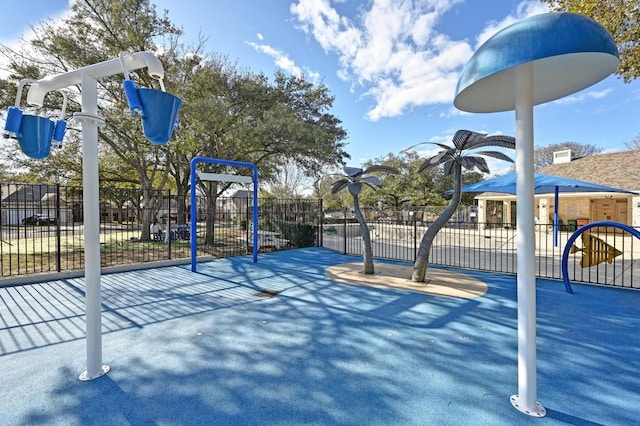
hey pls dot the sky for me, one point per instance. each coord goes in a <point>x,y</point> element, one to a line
<point>392,65</point>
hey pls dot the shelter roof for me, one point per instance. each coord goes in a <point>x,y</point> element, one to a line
<point>617,169</point>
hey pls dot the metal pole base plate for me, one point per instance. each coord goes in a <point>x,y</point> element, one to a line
<point>538,411</point>
<point>86,377</point>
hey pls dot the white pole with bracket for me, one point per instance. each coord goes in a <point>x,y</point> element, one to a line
<point>87,77</point>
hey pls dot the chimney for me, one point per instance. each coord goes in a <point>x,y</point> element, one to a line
<point>563,156</point>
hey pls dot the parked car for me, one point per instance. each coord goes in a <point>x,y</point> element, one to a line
<point>180,232</point>
<point>267,239</point>
<point>39,220</point>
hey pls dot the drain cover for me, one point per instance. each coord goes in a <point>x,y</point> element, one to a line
<point>267,293</point>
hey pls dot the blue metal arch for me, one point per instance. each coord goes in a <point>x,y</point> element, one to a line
<point>194,163</point>
<point>572,238</point>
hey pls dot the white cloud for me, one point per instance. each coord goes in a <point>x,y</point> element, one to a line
<point>584,96</point>
<point>260,36</point>
<point>17,43</point>
<point>452,112</point>
<point>524,10</point>
<point>283,61</point>
<point>393,50</point>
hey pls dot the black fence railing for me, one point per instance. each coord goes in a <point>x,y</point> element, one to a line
<point>492,247</point>
<point>226,229</point>
<point>42,229</point>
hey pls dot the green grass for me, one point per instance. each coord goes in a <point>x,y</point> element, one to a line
<point>38,253</point>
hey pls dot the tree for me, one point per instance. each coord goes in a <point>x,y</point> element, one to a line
<point>454,159</point>
<point>289,181</point>
<point>392,194</point>
<point>621,18</point>
<point>543,156</point>
<point>96,31</point>
<point>353,180</point>
<point>226,113</point>
<point>332,203</point>
<point>237,115</point>
<point>633,143</point>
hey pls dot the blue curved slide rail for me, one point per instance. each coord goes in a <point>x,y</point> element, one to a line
<point>572,238</point>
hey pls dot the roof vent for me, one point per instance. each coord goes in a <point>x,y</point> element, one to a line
<point>563,156</point>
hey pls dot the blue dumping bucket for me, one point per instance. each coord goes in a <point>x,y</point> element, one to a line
<point>35,136</point>
<point>159,114</point>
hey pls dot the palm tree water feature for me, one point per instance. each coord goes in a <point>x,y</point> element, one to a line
<point>537,60</point>
<point>353,180</point>
<point>453,160</point>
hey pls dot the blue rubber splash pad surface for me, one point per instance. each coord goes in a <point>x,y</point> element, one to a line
<point>278,343</point>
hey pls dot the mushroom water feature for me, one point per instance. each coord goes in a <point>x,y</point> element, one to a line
<point>158,110</point>
<point>536,60</point>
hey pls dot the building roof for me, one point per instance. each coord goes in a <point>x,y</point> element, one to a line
<point>616,169</point>
<point>241,193</point>
<point>30,193</point>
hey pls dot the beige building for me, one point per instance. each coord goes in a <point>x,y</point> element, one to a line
<point>618,170</point>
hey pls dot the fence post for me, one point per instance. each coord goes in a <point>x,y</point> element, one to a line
<point>321,227</point>
<point>169,221</point>
<point>344,234</point>
<point>415,238</point>
<point>58,236</point>
<point>247,221</point>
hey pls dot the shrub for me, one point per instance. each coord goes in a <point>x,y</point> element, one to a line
<point>300,234</point>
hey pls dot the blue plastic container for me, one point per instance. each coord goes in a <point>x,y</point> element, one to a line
<point>35,136</point>
<point>159,114</point>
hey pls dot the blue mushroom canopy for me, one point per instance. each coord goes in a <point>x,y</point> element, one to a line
<point>568,53</point>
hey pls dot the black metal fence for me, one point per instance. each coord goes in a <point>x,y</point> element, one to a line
<point>42,229</point>
<point>491,247</point>
<point>226,228</point>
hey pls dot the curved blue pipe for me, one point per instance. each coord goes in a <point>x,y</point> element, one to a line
<point>572,238</point>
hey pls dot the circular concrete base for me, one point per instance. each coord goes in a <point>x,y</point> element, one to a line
<point>442,282</point>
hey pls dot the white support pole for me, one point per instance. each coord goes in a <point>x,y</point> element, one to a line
<point>90,120</point>
<point>90,182</point>
<point>525,401</point>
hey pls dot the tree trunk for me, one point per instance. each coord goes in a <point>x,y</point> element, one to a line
<point>149,208</point>
<point>181,203</point>
<point>422,258</point>
<point>211,198</point>
<point>366,238</point>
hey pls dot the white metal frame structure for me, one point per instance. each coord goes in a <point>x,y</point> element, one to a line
<point>87,77</point>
